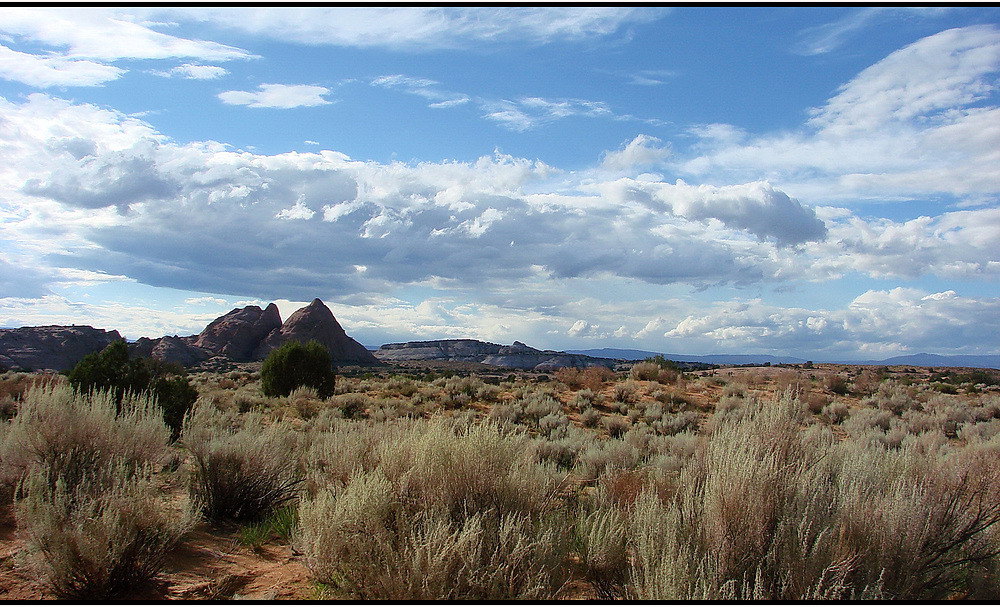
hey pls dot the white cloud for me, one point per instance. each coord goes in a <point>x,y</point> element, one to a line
<point>522,114</point>
<point>202,301</point>
<point>422,87</point>
<point>418,28</point>
<point>831,36</point>
<point>48,71</point>
<point>132,321</point>
<point>192,71</point>
<point>82,44</point>
<point>913,124</point>
<point>92,190</point>
<point>651,77</point>
<point>106,35</point>
<point>282,96</point>
<point>876,322</point>
<point>109,193</point>
<point>643,151</point>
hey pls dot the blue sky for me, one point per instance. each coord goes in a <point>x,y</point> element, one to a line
<point>812,181</point>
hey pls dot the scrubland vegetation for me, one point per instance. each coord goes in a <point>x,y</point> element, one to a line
<point>649,484</point>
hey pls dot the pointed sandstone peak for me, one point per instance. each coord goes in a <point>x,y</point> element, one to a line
<point>316,321</point>
<point>239,333</point>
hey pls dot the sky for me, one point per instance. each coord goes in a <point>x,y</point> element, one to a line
<point>821,182</point>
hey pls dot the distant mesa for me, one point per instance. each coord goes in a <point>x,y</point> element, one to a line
<point>242,335</point>
<point>515,356</point>
<point>51,347</point>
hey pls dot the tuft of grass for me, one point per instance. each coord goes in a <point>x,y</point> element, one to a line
<point>280,524</point>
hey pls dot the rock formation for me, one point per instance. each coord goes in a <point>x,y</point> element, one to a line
<point>514,356</point>
<point>238,334</point>
<point>316,322</point>
<point>51,347</point>
<point>180,350</point>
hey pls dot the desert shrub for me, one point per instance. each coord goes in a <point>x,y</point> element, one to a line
<point>591,378</point>
<point>72,435</point>
<point>100,537</point>
<point>583,398</point>
<point>552,423</point>
<point>295,364</point>
<point>561,452</point>
<point>615,425</point>
<point>590,417</point>
<point>538,405</point>
<point>507,413</point>
<point>605,455</point>
<point>113,370</point>
<point>837,384</point>
<point>675,423</point>
<point>601,539</point>
<point>626,392</point>
<point>455,512</point>
<point>334,456</point>
<point>241,474</point>
<point>893,397</point>
<point>652,371</point>
<point>830,520</point>
<point>571,377</point>
<point>862,420</point>
<point>836,412</point>
<point>351,405</point>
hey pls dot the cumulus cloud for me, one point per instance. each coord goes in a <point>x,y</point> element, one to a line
<point>126,200</point>
<point>93,190</point>
<point>281,96</point>
<point>879,323</point>
<point>918,122</point>
<point>643,151</point>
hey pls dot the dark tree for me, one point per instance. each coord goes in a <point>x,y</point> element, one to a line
<point>293,365</point>
<point>112,369</point>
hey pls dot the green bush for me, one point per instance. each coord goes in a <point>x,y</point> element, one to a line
<point>294,365</point>
<point>113,370</point>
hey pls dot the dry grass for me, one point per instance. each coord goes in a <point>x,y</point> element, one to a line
<point>459,488</point>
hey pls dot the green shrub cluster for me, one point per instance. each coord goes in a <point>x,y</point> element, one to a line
<point>112,369</point>
<point>295,364</point>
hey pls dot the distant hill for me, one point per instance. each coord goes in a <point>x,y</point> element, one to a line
<point>714,359</point>
<point>986,361</point>
<point>515,356</point>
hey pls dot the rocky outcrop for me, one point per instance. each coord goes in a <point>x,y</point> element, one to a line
<point>180,350</point>
<point>51,347</point>
<point>464,350</point>
<point>239,334</point>
<point>316,322</point>
<point>514,356</point>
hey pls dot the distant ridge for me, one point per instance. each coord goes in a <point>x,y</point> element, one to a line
<point>985,361</point>
<point>714,359</point>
